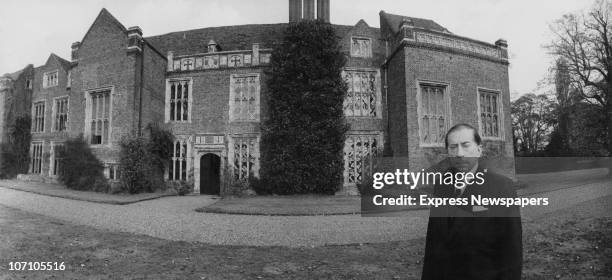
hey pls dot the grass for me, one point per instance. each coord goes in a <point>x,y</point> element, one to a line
<point>291,205</point>
<point>58,190</point>
<point>575,243</point>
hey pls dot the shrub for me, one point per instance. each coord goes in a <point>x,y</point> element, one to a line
<point>254,184</point>
<point>81,170</point>
<point>137,164</point>
<point>142,162</point>
<point>160,145</point>
<point>180,187</point>
<point>365,186</point>
<point>239,187</point>
<point>303,136</point>
<point>15,154</point>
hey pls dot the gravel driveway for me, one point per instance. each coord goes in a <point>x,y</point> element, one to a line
<point>174,218</point>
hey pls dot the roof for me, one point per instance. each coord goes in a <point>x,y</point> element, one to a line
<point>394,21</point>
<point>15,75</point>
<point>104,14</point>
<point>235,37</point>
<point>64,63</point>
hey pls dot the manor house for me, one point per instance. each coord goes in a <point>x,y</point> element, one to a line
<point>408,82</point>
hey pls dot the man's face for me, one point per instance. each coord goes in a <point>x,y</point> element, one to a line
<point>463,151</point>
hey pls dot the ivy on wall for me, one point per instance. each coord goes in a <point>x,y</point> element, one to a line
<point>303,134</point>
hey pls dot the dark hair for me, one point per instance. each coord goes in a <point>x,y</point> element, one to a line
<point>456,127</point>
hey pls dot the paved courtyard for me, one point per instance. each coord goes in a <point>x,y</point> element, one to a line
<point>174,218</point>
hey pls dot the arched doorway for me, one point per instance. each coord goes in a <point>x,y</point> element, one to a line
<point>210,170</point>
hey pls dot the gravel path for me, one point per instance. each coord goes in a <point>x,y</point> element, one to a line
<point>174,218</point>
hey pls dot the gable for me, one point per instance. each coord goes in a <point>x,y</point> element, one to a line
<point>389,24</point>
<point>105,31</point>
<point>53,63</point>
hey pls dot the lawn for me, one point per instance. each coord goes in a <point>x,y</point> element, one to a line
<point>575,243</point>
<point>58,190</point>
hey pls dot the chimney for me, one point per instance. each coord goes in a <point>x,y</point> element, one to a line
<point>406,22</point>
<point>503,49</point>
<point>323,10</point>
<point>309,9</point>
<point>74,55</point>
<point>134,39</point>
<point>305,10</point>
<point>212,46</point>
<point>295,10</point>
<point>170,57</point>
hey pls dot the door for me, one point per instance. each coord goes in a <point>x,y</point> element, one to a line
<point>210,170</point>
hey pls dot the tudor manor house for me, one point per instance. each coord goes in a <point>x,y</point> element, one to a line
<point>408,82</point>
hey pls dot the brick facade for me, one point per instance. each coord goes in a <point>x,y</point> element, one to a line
<point>208,87</point>
<point>15,100</point>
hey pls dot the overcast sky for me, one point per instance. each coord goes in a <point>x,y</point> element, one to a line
<point>31,30</point>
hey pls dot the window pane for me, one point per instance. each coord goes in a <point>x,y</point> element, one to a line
<point>106,105</point>
<point>105,134</point>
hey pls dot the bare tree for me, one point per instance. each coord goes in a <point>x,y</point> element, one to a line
<point>583,42</point>
<point>533,119</point>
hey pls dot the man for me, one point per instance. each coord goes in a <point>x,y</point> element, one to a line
<point>472,241</point>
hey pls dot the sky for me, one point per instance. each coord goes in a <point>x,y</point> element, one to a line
<point>31,30</point>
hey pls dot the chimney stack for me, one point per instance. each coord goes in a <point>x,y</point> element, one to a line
<point>74,54</point>
<point>295,10</point>
<point>323,10</point>
<point>309,9</point>
<point>134,39</point>
<point>305,10</point>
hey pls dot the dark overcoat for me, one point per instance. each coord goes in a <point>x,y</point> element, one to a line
<point>474,242</point>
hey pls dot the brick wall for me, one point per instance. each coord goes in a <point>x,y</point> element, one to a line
<point>15,99</point>
<point>48,95</point>
<point>361,29</point>
<point>210,107</point>
<point>154,87</point>
<point>463,74</point>
<point>396,106</point>
<point>105,62</point>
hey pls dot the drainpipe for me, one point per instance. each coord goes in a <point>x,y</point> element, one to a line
<point>136,48</point>
<point>140,90</point>
<point>387,150</point>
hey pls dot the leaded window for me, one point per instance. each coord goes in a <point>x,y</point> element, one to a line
<point>433,113</point>
<point>359,151</point>
<point>179,103</point>
<point>362,95</point>
<point>38,122</point>
<point>245,157</point>
<point>50,79</point>
<point>489,114</point>
<point>57,158</point>
<point>61,114</point>
<point>114,173</point>
<point>361,47</point>
<point>37,157</point>
<point>177,170</point>
<point>244,97</point>
<point>69,79</point>
<point>100,117</point>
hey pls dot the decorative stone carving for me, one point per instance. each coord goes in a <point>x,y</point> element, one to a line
<point>455,43</point>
